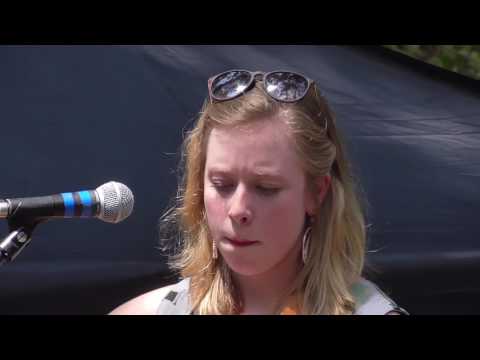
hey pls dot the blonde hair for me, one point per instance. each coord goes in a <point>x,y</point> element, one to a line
<point>337,246</point>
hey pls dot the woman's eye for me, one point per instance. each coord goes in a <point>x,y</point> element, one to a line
<point>226,187</point>
<point>222,187</point>
<point>267,190</point>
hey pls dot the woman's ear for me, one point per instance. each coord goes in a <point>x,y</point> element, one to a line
<point>320,190</point>
<point>323,186</point>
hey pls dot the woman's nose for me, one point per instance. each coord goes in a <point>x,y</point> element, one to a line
<point>240,208</point>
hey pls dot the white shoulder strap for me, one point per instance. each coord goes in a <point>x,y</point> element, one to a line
<point>176,302</point>
<point>370,300</point>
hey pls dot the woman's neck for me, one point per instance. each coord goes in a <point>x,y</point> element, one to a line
<point>261,293</point>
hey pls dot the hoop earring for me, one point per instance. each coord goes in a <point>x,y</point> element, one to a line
<point>214,250</point>
<point>306,243</point>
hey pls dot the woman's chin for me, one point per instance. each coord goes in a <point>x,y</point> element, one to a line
<point>245,267</point>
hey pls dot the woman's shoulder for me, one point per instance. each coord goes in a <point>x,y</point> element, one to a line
<point>149,302</point>
<point>371,300</point>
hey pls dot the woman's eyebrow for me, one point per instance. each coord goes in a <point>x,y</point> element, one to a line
<point>273,175</point>
<point>268,176</point>
<point>218,171</point>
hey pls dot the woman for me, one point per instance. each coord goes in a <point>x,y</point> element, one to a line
<point>268,214</point>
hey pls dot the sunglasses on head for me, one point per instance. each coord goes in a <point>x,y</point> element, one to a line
<point>283,86</point>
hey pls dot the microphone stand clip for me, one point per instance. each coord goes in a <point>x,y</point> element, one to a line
<point>20,236</point>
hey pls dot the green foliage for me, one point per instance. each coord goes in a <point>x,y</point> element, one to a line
<point>463,59</point>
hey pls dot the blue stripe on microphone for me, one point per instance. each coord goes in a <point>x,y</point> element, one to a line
<point>69,204</point>
<point>87,203</point>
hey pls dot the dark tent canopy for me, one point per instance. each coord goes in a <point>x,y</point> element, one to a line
<point>75,117</point>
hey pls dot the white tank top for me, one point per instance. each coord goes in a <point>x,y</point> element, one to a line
<point>370,300</point>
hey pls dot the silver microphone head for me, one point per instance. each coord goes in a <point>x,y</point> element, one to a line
<point>116,202</point>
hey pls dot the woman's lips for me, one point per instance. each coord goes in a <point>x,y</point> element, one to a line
<point>241,242</point>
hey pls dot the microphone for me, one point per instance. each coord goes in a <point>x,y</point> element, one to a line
<point>111,202</point>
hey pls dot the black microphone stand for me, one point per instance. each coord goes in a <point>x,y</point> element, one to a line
<point>20,236</point>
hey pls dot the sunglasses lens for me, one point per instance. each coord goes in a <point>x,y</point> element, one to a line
<point>231,84</point>
<point>286,86</point>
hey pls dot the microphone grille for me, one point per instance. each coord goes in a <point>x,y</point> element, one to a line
<point>116,202</point>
